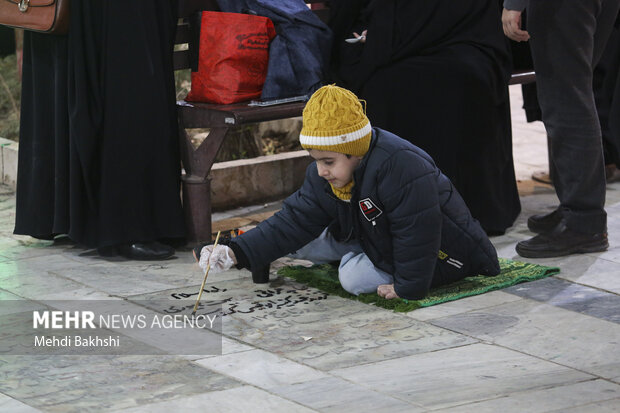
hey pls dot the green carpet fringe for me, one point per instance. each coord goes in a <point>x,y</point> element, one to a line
<point>325,278</point>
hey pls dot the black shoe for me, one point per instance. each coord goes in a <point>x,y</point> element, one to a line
<point>146,251</point>
<point>560,242</point>
<point>539,224</point>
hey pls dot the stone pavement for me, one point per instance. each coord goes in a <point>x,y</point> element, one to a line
<point>546,346</point>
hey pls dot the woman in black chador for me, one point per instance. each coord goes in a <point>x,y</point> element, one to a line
<point>98,156</point>
<point>436,73</point>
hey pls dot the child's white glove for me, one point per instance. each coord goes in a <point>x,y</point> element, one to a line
<point>220,258</point>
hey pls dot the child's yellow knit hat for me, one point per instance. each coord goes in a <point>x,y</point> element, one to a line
<point>333,120</point>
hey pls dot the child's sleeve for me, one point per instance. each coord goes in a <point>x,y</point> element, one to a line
<point>301,219</point>
<point>411,202</point>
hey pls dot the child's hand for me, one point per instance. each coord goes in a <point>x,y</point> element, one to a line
<point>387,291</point>
<point>221,258</point>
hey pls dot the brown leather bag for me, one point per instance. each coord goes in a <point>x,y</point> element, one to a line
<point>45,16</point>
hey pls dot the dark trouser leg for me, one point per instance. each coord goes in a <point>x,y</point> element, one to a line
<point>567,39</point>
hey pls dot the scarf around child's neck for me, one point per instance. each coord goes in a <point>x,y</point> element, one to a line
<point>345,192</point>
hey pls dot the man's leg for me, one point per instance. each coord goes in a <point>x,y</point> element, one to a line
<point>567,39</point>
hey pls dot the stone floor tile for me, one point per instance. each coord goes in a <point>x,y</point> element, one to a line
<point>42,285</point>
<point>605,278</point>
<point>7,202</point>
<point>559,398</point>
<point>507,250</point>
<point>460,375</point>
<point>337,332</point>
<point>16,248</point>
<point>613,193</point>
<point>527,156</point>
<point>240,399</point>
<point>6,295</point>
<point>197,275</point>
<point>115,280</point>
<point>508,238</point>
<point>612,254</point>
<point>170,272</point>
<point>35,265</point>
<point>10,405</point>
<point>551,333</point>
<point>181,262</point>
<point>67,384</point>
<point>572,265</point>
<point>281,315</point>
<point>477,302</point>
<point>613,216</point>
<point>571,296</point>
<point>343,341</point>
<point>542,202</point>
<point>191,288</point>
<point>228,347</point>
<point>239,290</point>
<point>90,256</point>
<point>261,368</point>
<point>79,293</point>
<point>333,394</point>
<point>13,304</point>
<point>608,406</point>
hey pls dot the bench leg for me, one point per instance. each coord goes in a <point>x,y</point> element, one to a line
<point>197,163</point>
<point>197,209</point>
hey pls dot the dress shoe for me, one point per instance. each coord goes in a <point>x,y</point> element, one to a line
<point>562,241</point>
<point>539,224</point>
<point>146,251</point>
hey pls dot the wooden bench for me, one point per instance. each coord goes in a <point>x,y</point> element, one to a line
<point>222,119</point>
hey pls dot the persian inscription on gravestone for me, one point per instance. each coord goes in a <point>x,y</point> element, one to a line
<point>264,299</point>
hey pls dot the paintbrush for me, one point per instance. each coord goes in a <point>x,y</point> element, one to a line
<point>217,238</point>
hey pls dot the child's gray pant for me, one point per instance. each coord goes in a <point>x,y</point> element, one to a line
<point>356,272</point>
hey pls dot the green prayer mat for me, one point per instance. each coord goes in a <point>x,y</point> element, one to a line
<point>325,278</point>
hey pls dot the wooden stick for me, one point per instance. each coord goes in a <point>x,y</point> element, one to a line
<point>206,274</point>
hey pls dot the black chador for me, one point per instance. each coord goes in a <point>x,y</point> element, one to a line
<point>436,73</point>
<point>98,156</point>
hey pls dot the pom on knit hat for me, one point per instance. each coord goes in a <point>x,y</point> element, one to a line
<point>334,120</point>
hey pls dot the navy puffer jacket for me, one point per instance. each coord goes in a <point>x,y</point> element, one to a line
<point>409,219</point>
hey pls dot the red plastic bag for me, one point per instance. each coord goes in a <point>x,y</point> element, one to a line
<point>233,57</point>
